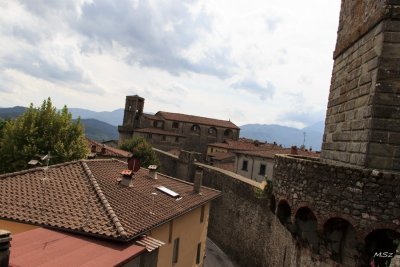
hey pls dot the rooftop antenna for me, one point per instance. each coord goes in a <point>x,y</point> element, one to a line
<point>304,138</point>
<point>44,179</point>
<point>154,194</point>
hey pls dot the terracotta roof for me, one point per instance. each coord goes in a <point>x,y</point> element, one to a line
<point>157,131</point>
<point>151,116</point>
<point>221,155</point>
<point>43,247</point>
<point>271,153</point>
<point>196,119</point>
<point>109,151</point>
<point>84,196</point>
<point>243,145</point>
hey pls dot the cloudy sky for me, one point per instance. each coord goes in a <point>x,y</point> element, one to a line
<point>251,61</point>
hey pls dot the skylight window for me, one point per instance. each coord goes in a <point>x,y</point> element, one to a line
<point>169,192</point>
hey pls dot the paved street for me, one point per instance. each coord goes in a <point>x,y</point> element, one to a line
<point>215,257</point>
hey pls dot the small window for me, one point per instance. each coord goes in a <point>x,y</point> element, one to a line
<point>198,253</point>
<point>164,138</point>
<point>175,252</point>
<point>202,214</point>
<point>175,125</point>
<point>177,139</point>
<point>150,136</point>
<point>262,169</point>
<point>244,165</point>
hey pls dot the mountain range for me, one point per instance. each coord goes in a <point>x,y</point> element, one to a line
<point>103,126</point>
<point>311,136</point>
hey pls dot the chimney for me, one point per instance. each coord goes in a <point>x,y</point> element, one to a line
<point>103,149</point>
<point>93,149</point>
<point>127,179</point>
<point>293,150</point>
<point>5,239</point>
<point>153,171</point>
<point>127,175</point>
<point>198,179</point>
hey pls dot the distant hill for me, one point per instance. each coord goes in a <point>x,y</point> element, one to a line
<point>11,113</point>
<point>318,127</point>
<point>99,130</point>
<point>287,136</point>
<point>102,126</point>
<point>111,117</point>
<point>94,129</point>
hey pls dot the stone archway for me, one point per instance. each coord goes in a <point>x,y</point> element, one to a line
<point>284,212</point>
<point>306,227</point>
<point>381,246</point>
<point>340,238</point>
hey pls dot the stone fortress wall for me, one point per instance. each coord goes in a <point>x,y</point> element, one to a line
<point>362,122</point>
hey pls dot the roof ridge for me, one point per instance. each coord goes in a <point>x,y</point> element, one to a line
<point>104,201</point>
<point>5,175</point>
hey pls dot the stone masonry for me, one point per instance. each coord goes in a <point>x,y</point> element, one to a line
<point>362,124</point>
<point>365,198</point>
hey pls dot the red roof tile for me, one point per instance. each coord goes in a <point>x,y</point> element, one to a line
<point>109,151</point>
<point>84,196</point>
<point>151,116</point>
<point>221,155</point>
<point>43,247</point>
<point>244,144</point>
<point>271,153</point>
<point>196,119</point>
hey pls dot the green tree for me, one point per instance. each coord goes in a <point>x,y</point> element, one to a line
<point>141,150</point>
<point>2,124</point>
<point>39,131</point>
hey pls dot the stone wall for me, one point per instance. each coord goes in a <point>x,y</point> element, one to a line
<point>181,167</point>
<point>244,226</point>
<point>362,124</point>
<point>242,221</point>
<point>367,199</point>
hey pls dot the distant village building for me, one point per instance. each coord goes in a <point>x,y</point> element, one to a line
<point>102,151</point>
<point>259,164</point>
<point>249,158</point>
<point>167,130</point>
<point>111,143</point>
<point>123,215</point>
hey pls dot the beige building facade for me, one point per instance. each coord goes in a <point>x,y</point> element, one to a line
<point>167,130</point>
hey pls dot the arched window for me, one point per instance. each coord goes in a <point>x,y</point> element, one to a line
<point>228,133</point>
<point>212,132</point>
<point>195,129</point>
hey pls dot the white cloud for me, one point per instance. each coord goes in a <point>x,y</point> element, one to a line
<point>243,60</point>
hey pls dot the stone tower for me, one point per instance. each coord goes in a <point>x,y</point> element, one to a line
<point>133,110</point>
<point>362,126</point>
